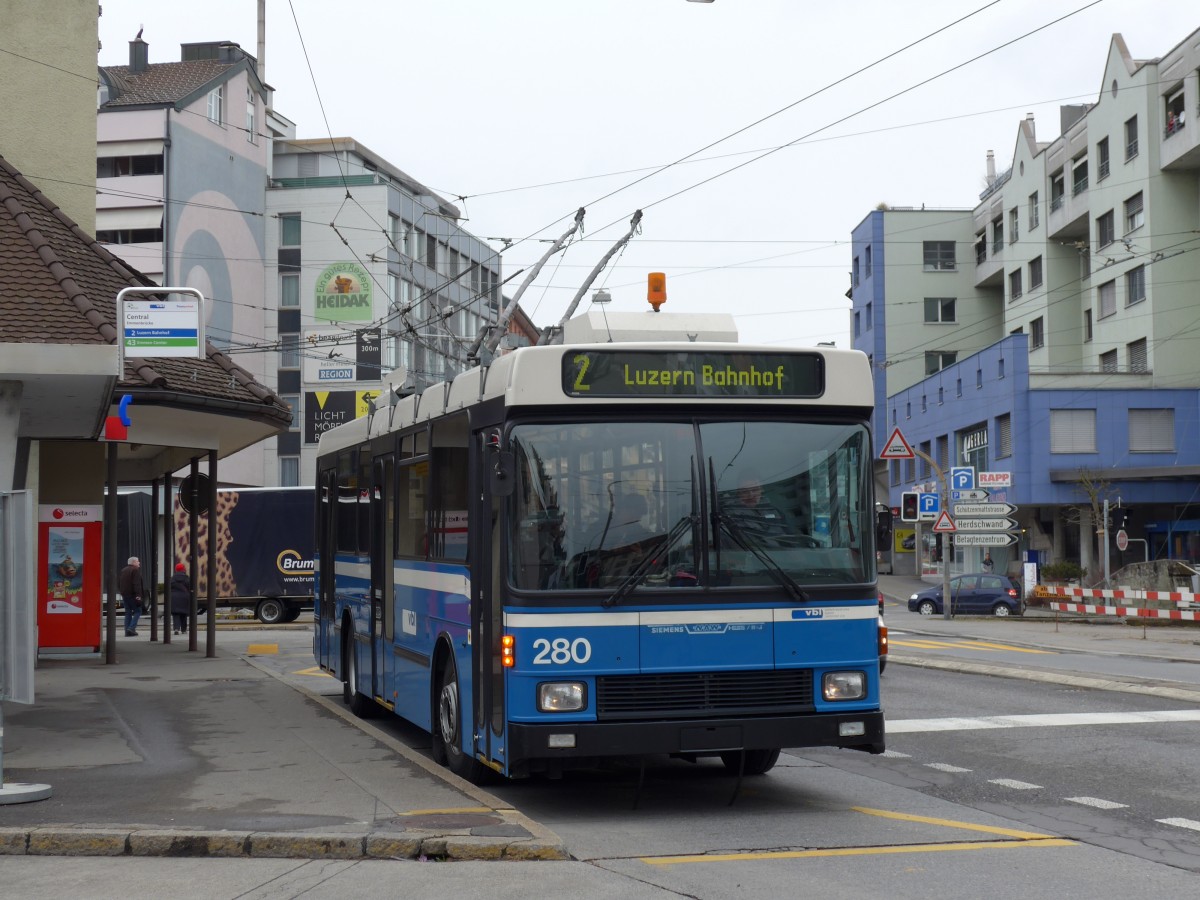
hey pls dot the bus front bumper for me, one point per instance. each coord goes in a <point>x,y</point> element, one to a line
<point>697,737</point>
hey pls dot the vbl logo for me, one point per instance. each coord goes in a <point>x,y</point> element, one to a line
<point>811,613</point>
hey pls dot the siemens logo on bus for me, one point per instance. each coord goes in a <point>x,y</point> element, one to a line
<point>290,562</point>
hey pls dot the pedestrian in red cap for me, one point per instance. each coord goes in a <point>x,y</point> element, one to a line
<point>181,598</point>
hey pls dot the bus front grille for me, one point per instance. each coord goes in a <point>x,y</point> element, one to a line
<point>700,695</point>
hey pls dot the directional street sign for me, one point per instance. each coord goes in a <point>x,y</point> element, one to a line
<point>986,524</point>
<point>984,540</point>
<point>962,478</point>
<point>984,509</point>
<point>929,505</point>
<point>969,495</point>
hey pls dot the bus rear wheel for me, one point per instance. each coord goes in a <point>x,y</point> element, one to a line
<point>757,762</point>
<point>359,703</point>
<point>447,728</point>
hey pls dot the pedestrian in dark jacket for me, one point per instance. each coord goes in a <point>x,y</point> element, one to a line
<point>129,583</point>
<point>181,598</point>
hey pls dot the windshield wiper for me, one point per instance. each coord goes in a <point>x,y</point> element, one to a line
<point>647,559</point>
<point>734,529</point>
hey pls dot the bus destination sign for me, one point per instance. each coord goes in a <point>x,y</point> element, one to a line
<point>672,373</point>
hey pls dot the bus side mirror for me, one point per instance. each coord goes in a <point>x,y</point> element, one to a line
<point>500,473</point>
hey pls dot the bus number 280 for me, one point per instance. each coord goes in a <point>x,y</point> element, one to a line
<point>561,651</point>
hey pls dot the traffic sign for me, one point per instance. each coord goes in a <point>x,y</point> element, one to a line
<point>929,505</point>
<point>1122,540</point>
<point>896,447</point>
<point>944,523</point>
<point>984,509</point>
<point>1004,539</point>
<point>986,524</point>
<point>962,478</point>
<point>969,495</point>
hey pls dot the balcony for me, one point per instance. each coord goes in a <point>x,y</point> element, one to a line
<point>1180,145</point>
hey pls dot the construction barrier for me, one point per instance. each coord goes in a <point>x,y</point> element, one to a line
<point>1187,604</point>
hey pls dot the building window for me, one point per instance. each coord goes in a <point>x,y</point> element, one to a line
<point>289,471</point>
<point>941,395</point>
<point>289,291</point>
<point>1108,299</point>
<point>1108,361</point>
<point>894,472</point>
<point>980,249</point>
<point>293,402</point>
<point>939,310</point>
<point>289,351</point>
<point>1102,159</point>
<point>116,166</point>
<point>895,413</point>
<point>251,130</point>
<point>1138,355</point>
<point>979,378</point>
<point>1087,325</point>
<point>1105,232</point>
<point>926,469</point>
<point>1131,139</point>
<point>215,102</point>
<point>910,471</point>
<point>924,403</point>
<point>939,256</point>
<point>958,387</point>
<point>937,360</point>
<point>943,452</point>
<point>1035,273</point>
<point>1175,108</point>
<point>1012,225</point>
<point>1151,431</point>
<point>867,317</point>
<point>1072,431</point>
<point>1134,213</point>
<point>1000,369</point>
<point>1003,436</point>
<point>997,235</point>
<point>908,409</point>
<point>1014,285</point>
<point>1079,175</point>
<point>1033,210</point>
<point>1058,190</point>
<point>130,236</point>
<point>857,324</point>
<point>866,262</point>
<point>1135,285</point>
<point>854,273</point>
<point>1037,335</point>
<point>289,229</point>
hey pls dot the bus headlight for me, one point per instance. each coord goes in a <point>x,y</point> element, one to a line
<point>844,685</point>
<point>561,696</point>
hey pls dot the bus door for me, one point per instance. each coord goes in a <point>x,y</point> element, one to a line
<point>487,605</point>
<point>325,587</point>
<point>383,519</point>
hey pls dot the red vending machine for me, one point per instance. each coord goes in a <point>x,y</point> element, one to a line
<point>70,587</point>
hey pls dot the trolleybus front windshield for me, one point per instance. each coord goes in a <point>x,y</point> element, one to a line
<point>609,505</point>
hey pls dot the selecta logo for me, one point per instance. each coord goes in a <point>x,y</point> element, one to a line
<point>60,513</point>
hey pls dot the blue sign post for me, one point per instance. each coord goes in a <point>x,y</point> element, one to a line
<point>929,505</point>
<point>962,478</point>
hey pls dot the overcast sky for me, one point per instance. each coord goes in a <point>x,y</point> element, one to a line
<point>530,109</point>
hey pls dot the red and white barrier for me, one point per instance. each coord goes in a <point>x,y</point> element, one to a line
<point>1186,615</point>
<point>1182,599</point>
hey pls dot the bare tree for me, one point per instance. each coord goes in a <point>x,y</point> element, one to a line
<point>1096,488</point>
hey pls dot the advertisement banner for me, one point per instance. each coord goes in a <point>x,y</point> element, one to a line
<point>343,294</point>
<point>328,409</point>
<point>69,584</point>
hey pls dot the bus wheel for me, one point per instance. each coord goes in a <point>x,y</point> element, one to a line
<point>447,728</point>
<point>359,704</point>
<point>757,761</point>
<point>271,611</point>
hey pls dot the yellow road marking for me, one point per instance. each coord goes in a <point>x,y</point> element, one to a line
<point>961,645</point>
<point>1021,839</point>
<point>855,851</point>
<point>262,649</point>
<point>951,823</point>
<point>313,670</point>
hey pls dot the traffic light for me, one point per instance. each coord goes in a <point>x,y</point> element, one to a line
<point>909,506</point>
<point>883,526</point>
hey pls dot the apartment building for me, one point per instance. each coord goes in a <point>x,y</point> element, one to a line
<point>1050,333</point>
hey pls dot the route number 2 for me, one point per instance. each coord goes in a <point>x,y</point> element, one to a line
<point>561,651</point>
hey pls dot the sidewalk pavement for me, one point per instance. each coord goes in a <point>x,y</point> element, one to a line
<point>171,753</point>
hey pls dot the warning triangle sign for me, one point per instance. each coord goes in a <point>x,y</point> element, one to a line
<point>944,523</point>
<point>896,447</point>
